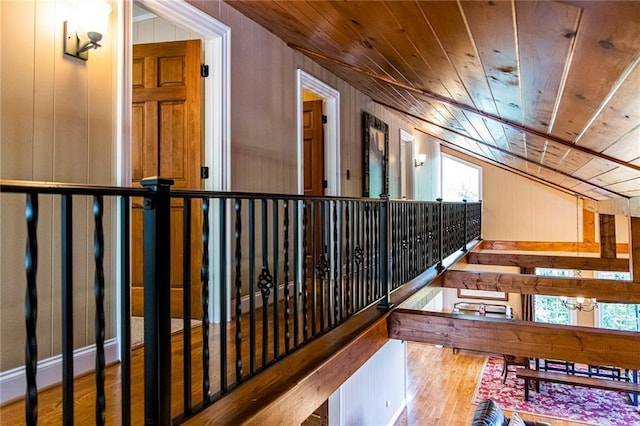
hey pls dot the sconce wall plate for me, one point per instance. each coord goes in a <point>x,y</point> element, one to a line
<point>73,43</point>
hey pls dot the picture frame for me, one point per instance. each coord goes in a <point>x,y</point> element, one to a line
<point>375,158</point>
<point>464,293</point>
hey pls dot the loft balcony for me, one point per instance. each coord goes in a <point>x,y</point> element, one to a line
<point>282,288</point>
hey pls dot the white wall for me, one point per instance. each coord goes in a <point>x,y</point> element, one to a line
<point>376,393</point>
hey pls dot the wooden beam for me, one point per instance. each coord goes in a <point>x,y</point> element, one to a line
<point>588,226</point>
<point>634,258</point>
<point>602,290</point>
<point>607,236</point>
<point>586,345</point>
<point>541,261</point>
<point>549,246</point>
<point>464,107</point>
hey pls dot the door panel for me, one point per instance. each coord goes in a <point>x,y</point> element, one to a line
<point>166,142</point>
<point>313,137</point>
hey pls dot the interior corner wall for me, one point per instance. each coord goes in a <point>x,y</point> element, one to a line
<point>57,124</point>
<point>376,393</point>
<point>428,176</point>
<point>516,208</point>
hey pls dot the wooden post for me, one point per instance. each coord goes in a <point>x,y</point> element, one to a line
<point>588,226</point>
<point>607,236</point>
<point>634,249</point>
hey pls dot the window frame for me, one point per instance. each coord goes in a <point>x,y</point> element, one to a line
<point>444,156</point>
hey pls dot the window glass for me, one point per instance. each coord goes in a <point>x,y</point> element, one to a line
<point>460,180</point>
<point>618,316</point>
<point>549,309</point>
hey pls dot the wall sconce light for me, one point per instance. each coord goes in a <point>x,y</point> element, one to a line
<point>579,304</point>
<point>83,33</point>
<point>419,160</point>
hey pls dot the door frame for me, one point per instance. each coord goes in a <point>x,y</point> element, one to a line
<point>305,81</point>
<point>407,164</point>
<point>216,39</point>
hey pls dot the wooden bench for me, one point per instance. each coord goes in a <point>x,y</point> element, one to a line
<point>568,379</point>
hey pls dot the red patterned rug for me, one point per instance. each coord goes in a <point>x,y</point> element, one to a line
<point>573,403</point>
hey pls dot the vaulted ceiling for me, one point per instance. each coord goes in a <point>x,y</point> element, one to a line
<point>549,89</point>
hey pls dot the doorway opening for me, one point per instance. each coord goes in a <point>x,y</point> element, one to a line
<point>330,97</point>
<point>216,48</point>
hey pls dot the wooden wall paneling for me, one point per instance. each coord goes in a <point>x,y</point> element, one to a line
<point>588,226</point>
<point>607,235</point>
<point>496,45</point>
<point>603,51</point>
<point>614,122</point>
<point>539,24</point>
<point>587,345</point>
<point>18,71</point>
<point>635,249</point>
<point>13,278</point>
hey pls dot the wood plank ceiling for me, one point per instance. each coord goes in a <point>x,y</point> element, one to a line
<point>550,89</point>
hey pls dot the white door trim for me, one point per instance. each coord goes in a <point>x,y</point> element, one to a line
<point>306,81</point>
<point>407,164</point>
<point>217,120</point>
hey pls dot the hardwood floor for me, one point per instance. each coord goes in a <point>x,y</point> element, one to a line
<point>440,386</point>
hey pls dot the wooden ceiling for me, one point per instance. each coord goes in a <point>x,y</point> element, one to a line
<point>550,89</point>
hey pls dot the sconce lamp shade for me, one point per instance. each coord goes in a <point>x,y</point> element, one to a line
<point>420,159</point>
<point>87,29</point>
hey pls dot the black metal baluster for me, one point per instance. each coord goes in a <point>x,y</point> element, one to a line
<point>287,311</point>
<point>238,264</point>
<point>222,253</point>
<point>265,284</point>
<point>314,271</point>
<point>125,310</point>
<point>323,264</point>
<point>359,256</point>
<point>276,265</point>
<point>349,256</point>
<point>383,253</point>
<point>368,261</point>
<point>296,275</point>
<point>66,238</point>
<point>98,255</point>
<point>204,279</point>
<point>186,306</point>
<point>31,309</point>
<point>336,267</point>
<point>305,261</point>
<point>252,286</point>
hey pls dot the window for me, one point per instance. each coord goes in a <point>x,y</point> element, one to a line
<point>460,180</point>
<point>617,316</point>
<point>549,309</point>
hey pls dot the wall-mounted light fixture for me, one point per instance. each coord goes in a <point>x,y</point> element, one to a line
<point>419,160</point>
<point>579,304</point>
<point>86,29</point>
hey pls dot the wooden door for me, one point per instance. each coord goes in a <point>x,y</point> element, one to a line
<point>166,142</point>
<point>313,147</point>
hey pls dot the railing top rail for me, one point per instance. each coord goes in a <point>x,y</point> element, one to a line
<point>19,186</point>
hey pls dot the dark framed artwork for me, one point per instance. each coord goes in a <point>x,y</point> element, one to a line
<point>375,159</point>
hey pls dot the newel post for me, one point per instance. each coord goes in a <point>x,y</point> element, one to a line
<point>439,266</point>
<point>464,244</point>
<point>157,301</point>
<point>385,258</point>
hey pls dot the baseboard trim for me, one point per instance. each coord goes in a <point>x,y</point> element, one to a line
<point>13,382</point>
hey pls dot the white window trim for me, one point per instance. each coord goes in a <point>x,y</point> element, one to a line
<point>467,163</point>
